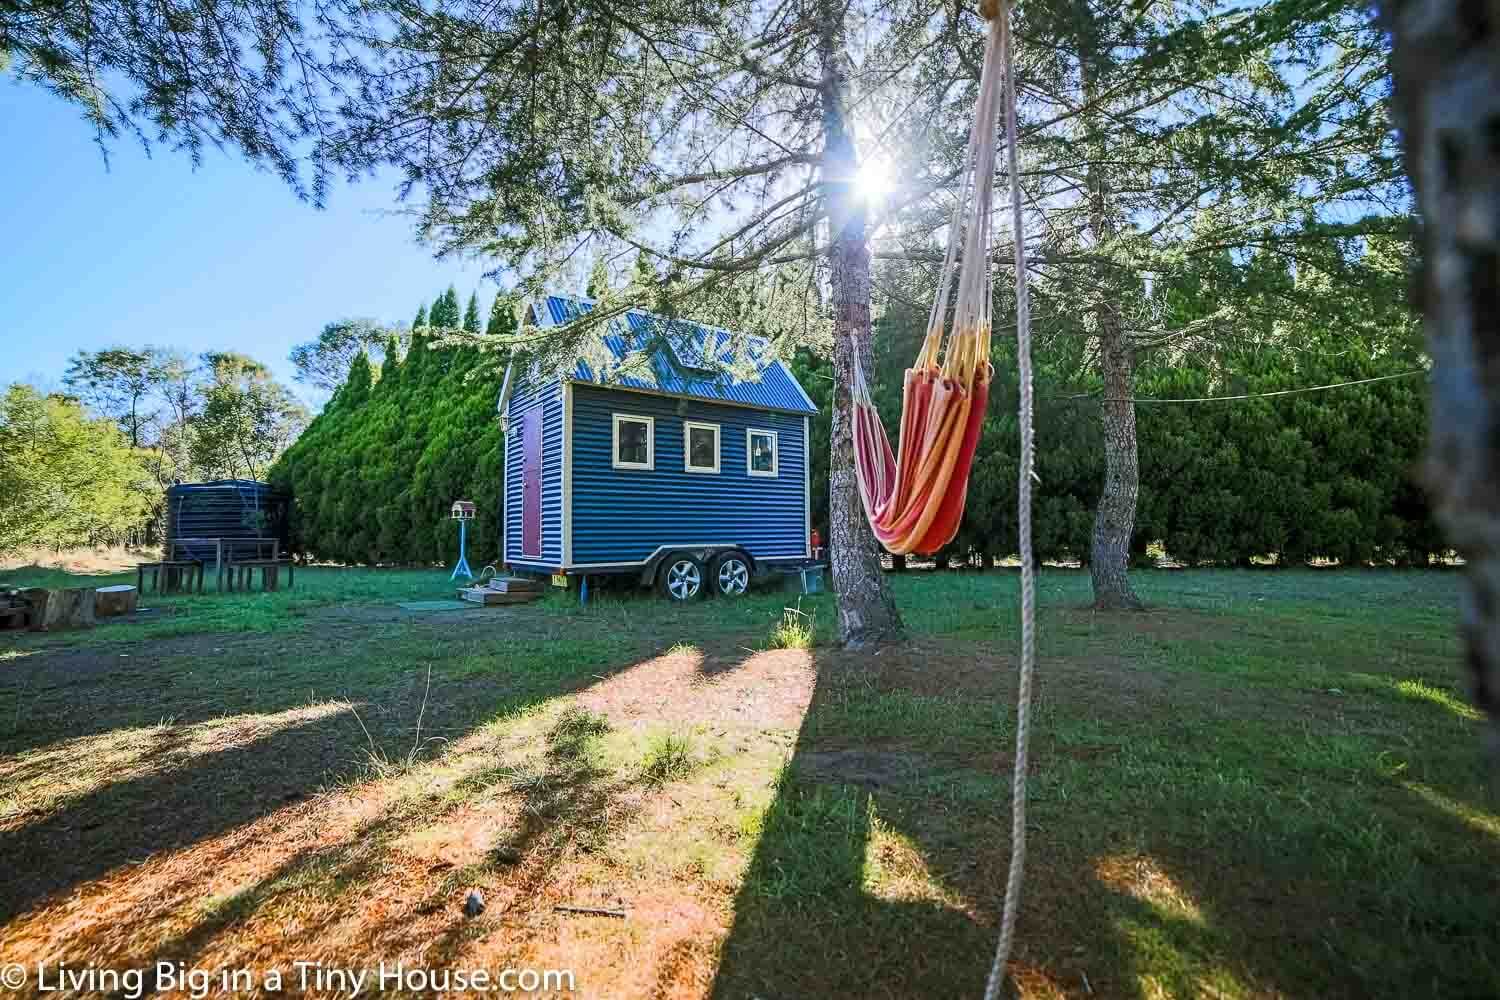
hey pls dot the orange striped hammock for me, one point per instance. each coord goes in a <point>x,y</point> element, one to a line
<point>914,497</point>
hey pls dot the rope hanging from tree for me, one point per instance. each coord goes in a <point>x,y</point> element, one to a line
<point>999,13</point>
<point>915,500</point>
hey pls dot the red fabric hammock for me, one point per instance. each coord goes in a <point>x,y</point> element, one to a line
<point>914,497</point>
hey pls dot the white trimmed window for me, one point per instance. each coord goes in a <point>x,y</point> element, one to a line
<point>760,453</point>
<point>634,442</point>
<point>700,447</point>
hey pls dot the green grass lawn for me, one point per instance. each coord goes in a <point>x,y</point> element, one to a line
<point>1270,784</point>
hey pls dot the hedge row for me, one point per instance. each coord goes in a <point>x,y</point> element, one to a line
<point>1325,474</point>
<point>1320,474</point>
<point>376,472</point>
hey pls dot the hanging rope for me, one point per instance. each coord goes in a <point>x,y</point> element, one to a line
<point>914,499</point>
<point>999,12</point>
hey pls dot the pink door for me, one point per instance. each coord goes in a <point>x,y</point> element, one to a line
<point>531,482</point>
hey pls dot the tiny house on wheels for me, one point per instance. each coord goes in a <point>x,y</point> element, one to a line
<point>673,452</point>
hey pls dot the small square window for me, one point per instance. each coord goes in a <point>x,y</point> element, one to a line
<point>760,453</point>
<point>700,447</point>
<point>634,442</point>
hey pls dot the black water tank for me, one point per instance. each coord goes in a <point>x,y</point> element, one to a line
<point>228,509</point>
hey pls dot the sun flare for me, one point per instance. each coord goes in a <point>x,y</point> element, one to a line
<point>873,181</point>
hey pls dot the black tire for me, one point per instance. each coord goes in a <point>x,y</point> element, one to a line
<point>730,575</point>
<point>681,577</point>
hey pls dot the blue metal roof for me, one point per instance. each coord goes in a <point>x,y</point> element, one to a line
<point>685,359</point>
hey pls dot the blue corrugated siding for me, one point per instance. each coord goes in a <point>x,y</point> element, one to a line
<point>776,388</point>
<point>523,398</point>
<point>622,516</point>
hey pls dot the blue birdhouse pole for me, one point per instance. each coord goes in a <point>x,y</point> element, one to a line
<point>463,513</point>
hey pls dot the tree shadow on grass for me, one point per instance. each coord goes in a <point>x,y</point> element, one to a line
<point>805,920</point>
<point>125,821</point>
<point>1142,879</point>
<point>52,695</point>
<point>564,799</point>
<point>178,799</point>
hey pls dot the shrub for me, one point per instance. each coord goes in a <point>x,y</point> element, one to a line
<point>795,630</point>
<point>668,757</point>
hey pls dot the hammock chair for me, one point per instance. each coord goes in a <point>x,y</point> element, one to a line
<point>914,498</point>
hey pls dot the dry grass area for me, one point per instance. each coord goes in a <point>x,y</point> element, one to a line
<point>83,562</point>
<point>1265,787</point>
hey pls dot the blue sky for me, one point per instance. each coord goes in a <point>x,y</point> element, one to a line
<point>152,251</point>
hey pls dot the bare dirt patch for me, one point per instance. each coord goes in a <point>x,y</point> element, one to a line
<point>82,562</point>
<point>737,688</point>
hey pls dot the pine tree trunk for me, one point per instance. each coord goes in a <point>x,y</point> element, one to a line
<point>1446,66</point>
<point>866,612</point>
<point>1109,558</point>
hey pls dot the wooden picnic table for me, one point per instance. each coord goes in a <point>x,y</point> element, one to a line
<point>186,547</point>
<point>232,570</point>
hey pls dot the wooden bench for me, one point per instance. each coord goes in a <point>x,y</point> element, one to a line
<point>172,570</point>
<point>265,557</point>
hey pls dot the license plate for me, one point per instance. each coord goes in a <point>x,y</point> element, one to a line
<point>560,580</point>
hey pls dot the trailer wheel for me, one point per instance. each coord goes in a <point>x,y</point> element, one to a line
<point>681,577</point>
<point>731,574</point>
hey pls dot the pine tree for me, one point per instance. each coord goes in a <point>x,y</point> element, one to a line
<point>357,386</point>
<point>471,314</point>
<point>445,314</point>
<point>598,283</point>
<point>452,315</point>
<point>421,318</point>
<point>414,365</point>
<point>502,320</point>
<point>390,364</point>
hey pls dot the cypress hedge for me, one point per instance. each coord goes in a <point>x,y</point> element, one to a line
<point>1309,475</point>
<point>374,475</point>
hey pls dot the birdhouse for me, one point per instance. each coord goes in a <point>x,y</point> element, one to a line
<point>463,510</point>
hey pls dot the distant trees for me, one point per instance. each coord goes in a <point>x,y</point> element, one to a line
<point>118,383</point>
<point>324,363</point>
<point>248,418</point>
<point>184,418</point>
<point>374,474</point>
<point>65,478</point>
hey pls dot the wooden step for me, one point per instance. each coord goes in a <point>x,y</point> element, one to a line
<point>486,596</point>
<point>515,585</point>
